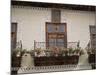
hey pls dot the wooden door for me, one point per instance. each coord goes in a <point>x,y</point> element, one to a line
<point>56,34</point>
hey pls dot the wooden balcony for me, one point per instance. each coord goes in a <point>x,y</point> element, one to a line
<point>59,60</point>
<point>55,55</point>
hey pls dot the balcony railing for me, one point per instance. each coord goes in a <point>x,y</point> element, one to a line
<point>16,57</point>
<point>55,55</point>
<point>19,44</point>
<point>91,54</point>
<point>59,45</point>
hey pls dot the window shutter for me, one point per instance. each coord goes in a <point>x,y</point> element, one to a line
<point>56,16</point>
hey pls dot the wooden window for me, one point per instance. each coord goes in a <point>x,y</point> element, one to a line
<point>93,36</point>
<point>92,29</point>
<point>56,16</point>
<point>13,35</point>
<point>56,34</point>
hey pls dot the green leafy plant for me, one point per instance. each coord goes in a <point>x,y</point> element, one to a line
<point>38,50</point>
<point>70,51</point>
<point>81,52</point>
<point>93,51</point>
<point>77,51</point>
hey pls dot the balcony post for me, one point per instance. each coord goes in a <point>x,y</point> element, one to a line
<point>34,44</point>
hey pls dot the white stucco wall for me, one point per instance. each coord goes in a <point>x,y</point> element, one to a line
<point>78,25</point>
<point>31,24</point>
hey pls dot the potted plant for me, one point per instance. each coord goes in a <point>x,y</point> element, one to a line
<point>70,51</point>
<point>48,53</point>
<point>36,52</point>
<point>81,52</point>
<point>92,58</point>
<point>16,59</point>
<point>64,52</point>
<point>73,55</point>
<point>77,51</point>
<point>55,51</point>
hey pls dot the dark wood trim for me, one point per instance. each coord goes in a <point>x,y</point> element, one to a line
<point>66,35</point>
<point>55,5</point>
<point>54,23</point>
<point>46,35</point>
<point>92,39</point>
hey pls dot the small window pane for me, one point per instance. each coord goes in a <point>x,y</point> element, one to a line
<point>52,42</point>
<point>61,28</point>
<point>13,27</point>
<point>50,28</point>
<point>60,42</point>
<point>92,29</point>
<point>56,16</point>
